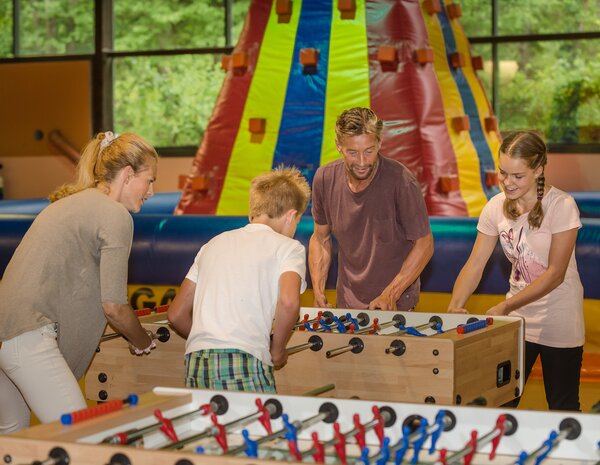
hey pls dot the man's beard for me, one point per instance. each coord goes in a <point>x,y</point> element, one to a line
<point>361,177</point>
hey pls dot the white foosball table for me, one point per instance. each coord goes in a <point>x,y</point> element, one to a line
<point>175,426</point>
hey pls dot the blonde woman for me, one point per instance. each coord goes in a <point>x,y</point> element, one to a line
<point>67,277</point>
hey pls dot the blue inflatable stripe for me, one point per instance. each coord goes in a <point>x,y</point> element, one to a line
<point>164,247</point>
<point>486,161</point>
<point>159,203</point>
<point>165,202</point>
<point>301,129</point>
<point>588,204</point>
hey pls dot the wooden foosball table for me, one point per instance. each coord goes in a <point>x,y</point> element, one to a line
<point>386,356</point>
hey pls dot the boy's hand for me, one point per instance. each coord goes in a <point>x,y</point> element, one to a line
<point>279,358</point>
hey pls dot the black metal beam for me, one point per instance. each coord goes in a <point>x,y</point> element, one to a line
<point>495,60</point>
<point>228,22</point>
<point>46,58</point>
<point>166,52</point>
<point>16,43</point>
<point>102,73</point>
<point>535,37</point>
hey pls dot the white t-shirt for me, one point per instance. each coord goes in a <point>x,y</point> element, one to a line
<point>556,319</point>
<point>237,285</point>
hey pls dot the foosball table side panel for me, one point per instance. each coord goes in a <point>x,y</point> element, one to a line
<point>115,373</point>
<point>423,371</point>
<point>26,451</point>
<point>488,364</point>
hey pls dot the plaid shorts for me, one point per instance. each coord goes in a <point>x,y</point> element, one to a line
<point>228,369</point>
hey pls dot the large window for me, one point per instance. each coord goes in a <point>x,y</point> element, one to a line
<point>6,29</point>
<point>46,27</point>
<point>169,99</point>
<point>553,87</point>
<point>157,62</point>
<point>542,66</point>
<point>168,24</point>
<point>157,68</point>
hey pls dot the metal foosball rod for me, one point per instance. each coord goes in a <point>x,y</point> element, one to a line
<point>272,407</point>
<point>397,347</point>
<point>342,324</point>
<point>330,323</point>
<point>416,436</point>
<point>334,441</point>
<point>162,334</point>
<point>506,425</point>
<point>315,343</point>
<point>355,346</point>
<point>57,456</point>
<point>319,390</point>
<point>569,429</point>
<point>218,405</point>
<point>444,421</point>
<point>328,413</point>
<point>305,320</point>
<point>397,321</point>
<point>110,337</point>
<point>382,417</point>
<point>433,323</point>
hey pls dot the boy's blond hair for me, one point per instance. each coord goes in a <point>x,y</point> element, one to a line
<point>278,191</point>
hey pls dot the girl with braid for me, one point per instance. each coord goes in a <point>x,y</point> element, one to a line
<point>68,277</point>
<point>537,226</point>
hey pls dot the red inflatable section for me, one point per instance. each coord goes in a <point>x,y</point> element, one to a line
<point>407,97</point>
<point>213,155</point>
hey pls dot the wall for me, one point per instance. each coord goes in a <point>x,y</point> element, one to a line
<point>36,176</point>
<point>37,98</point>
<point>574,172</point>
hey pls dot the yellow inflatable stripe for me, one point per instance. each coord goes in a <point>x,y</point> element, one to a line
<point>483,107</point>
<point>347,74</point>
<point>252,154</point>
<point>466,155</point>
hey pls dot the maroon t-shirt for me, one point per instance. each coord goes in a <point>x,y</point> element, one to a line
<point>375,229</point>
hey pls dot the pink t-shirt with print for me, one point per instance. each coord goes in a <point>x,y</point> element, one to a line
<point>556,319</point>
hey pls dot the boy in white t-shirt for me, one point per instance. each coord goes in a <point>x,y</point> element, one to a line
<point>241,297</point>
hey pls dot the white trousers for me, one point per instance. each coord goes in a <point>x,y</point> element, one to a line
<point>35,377</point>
